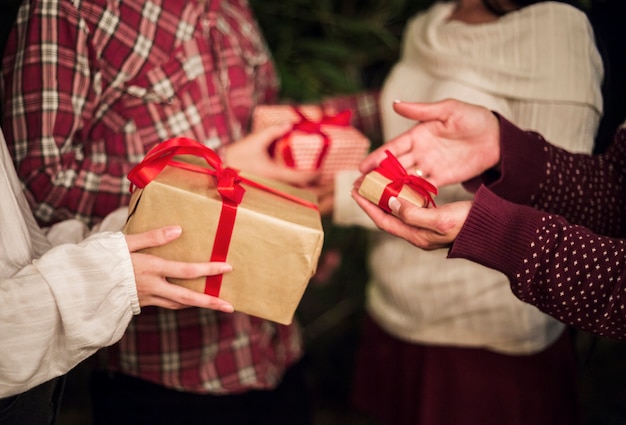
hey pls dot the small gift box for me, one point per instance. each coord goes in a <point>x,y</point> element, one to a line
<point>316,141</point>
<point>391,179</point>
<point>269,232</point>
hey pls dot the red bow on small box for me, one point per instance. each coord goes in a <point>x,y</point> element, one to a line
<point>229,186</point>
<point>306,125</point>
<point>391,168</point>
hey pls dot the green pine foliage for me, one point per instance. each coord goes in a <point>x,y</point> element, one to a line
<point>328,47</point>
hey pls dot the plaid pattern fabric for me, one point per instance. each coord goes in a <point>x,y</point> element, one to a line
<point>90,86</point>
<point>366,113</point>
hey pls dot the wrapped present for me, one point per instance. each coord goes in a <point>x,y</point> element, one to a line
<point>316,141</point>
<point>269,232</point>
<point>391,179</point>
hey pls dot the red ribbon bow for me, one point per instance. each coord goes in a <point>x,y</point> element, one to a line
<point>228,186</point>
<point>391,168</point>
<point>228,180</point>
<point>310,126</point>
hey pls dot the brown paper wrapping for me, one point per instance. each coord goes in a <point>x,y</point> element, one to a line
<point>348,146</point>
<point>373,185</point>
<point>275,243</point>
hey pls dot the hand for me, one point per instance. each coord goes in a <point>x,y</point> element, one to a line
<point>251,155</point>
<point>452,143</point>
<point>426,228</point>
<point>151,273</point>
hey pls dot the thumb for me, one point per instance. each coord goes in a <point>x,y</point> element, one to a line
<point>436,111</point>
<point>152,238</point>
<point>268,134</point>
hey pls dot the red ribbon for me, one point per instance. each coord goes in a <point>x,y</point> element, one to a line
<point>228,186</point>
<point>391,168</point>
<point>306,125</point>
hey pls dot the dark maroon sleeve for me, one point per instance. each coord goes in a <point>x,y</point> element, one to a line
<point>584,189</point>
<point>565,270</point>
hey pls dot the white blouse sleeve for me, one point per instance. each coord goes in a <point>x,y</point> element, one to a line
<point>57,305</point>
<point>59,310</point>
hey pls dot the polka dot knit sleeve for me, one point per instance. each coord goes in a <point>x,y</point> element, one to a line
<point>564,253</point>
<point>586,190</point>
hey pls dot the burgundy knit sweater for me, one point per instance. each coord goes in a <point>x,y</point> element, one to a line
<point>555,223</point>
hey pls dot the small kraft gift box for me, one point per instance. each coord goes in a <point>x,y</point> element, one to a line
<point>391,179</point>
<point>269,232</point>
<point>316,140</point>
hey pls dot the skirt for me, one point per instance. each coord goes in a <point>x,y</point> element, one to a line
<point>401,383</point>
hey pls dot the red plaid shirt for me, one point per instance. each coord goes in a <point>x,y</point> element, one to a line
<point>90,87</point>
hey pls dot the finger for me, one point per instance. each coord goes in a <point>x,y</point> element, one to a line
<point>408,161</point>
<point>358,182</point>
<point>422,111</point>
<point>152,238</point>
<point>371,209</point>
<point>387,222</point>
<point>161,302</point>
<point>413,215</point>
<point>184,270</point>
<point>372,160</point>
<point>268,134</point>
<point>398,146</point>
<point>393,225</point>
<point>173,296</point>
<point>438,226</point>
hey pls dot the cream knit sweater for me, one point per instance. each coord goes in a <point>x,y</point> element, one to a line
<point>539,67</point>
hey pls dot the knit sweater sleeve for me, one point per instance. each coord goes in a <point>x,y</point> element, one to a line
<point>586,190</point>
<point>565,270</point>
<point>554,251</point>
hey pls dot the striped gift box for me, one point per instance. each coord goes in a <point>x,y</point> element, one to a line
<point>303,147</point>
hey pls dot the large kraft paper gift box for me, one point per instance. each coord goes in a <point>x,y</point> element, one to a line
<point>316,141</point>
<point>391,179</point>
<point>269,232</point>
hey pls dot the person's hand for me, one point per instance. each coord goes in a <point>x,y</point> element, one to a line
<point>251,155</point>
<point>151,273</point>
<point>426,228</point>
<point>452,143</point>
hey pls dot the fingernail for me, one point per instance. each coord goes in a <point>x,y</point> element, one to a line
<point>225,268</point>
<point>172,231</point>
<point>397,101</point>
<point>394,204</point>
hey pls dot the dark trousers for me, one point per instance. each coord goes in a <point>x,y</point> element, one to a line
<point>123,400</point>
<point>37,406</point>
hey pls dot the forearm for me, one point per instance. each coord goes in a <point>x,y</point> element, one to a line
<point>584,189</point>
<point>565,270</point>
<point>63,307</point>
